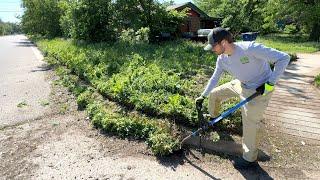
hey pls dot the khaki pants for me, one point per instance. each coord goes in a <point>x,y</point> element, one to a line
<point>252,114</point>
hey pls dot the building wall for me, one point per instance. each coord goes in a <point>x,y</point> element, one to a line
<point>192,23</point>
<point>195,22</point>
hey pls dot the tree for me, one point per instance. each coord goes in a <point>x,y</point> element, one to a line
<point>238,15</point>
<point>303,13</point>
<point>41,17</point>
<point>136,14</point>
<point>8,28</point>
<point>88,20</point>
<point>265,15</point>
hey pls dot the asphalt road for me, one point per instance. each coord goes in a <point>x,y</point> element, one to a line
<point>23,89</point>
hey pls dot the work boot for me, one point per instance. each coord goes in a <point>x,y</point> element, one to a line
<point>241,163</point>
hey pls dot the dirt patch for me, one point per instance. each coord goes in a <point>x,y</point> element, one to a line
<point>61,138</point>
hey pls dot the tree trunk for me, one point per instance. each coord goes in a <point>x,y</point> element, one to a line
<point>315,32</point>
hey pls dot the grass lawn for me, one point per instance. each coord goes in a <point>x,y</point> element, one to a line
<point>289,43</point>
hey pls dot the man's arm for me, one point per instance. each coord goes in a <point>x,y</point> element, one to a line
<point>280,59</point>
<point>214,79</point>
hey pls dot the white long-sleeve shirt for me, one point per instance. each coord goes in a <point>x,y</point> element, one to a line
<point>249,63</point>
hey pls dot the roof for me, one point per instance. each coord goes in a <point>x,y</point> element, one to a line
<point>190,5</point>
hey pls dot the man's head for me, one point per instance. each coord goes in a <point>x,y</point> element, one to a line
<point>218,38</point>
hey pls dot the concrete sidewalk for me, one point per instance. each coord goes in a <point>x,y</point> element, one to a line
<point>294,108</point>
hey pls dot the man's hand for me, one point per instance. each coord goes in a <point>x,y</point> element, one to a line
<point>199,100</point>
<point>265,88</point>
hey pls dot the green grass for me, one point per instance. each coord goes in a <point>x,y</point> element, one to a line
<point>289,43</point>
<point>22,104</point>
<point>44,102</point>
<point>317,81</point>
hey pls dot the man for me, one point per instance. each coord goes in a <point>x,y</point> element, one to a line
<point>249,63</point>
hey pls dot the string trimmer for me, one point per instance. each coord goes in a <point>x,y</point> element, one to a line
<point>217,119</point>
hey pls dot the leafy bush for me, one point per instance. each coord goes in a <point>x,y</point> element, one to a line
<point>162,143</point>
<point>41,17</point>
<point>85,98</point>
<point>142,35</point>
<point>150,90</point>
<point>290,29</point>
<point>127,36</point>
<point>88,20</point>
<point>159,140</point>
<point>131,37</point>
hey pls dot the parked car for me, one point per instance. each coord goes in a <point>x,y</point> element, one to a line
<point>202,34</point>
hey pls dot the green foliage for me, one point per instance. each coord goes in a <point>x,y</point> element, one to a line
<point>132,14</point>
<point>66,19</point>
<point>167,21</point>
<point>85,98</point>
<point>289,43</point>
<point>156,80</point>
<point>233,122</point>
<point>8,28</point>
<point>22,104</point>
<point>131,37</point>
<point>99,20</point>
<point>88,20</point>
<point>41,17</point>
<point>290,29</point>
<point>266,16</point>
<point>150,90</point>
<point>162,143</point>
<point>115,123</point>
<point>317,80</point>
<point>305,14</point>
<point>238,15</point>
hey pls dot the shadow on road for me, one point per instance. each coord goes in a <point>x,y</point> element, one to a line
<point>43,67</point>
<point>24,44</point>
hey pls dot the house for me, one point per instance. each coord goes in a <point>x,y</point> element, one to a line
<point>197,19</point>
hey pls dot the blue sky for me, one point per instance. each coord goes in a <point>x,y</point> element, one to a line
<point>9,9</point>
<point>182,1</point>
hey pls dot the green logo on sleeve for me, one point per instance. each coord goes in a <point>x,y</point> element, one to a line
<point>244,60</point>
